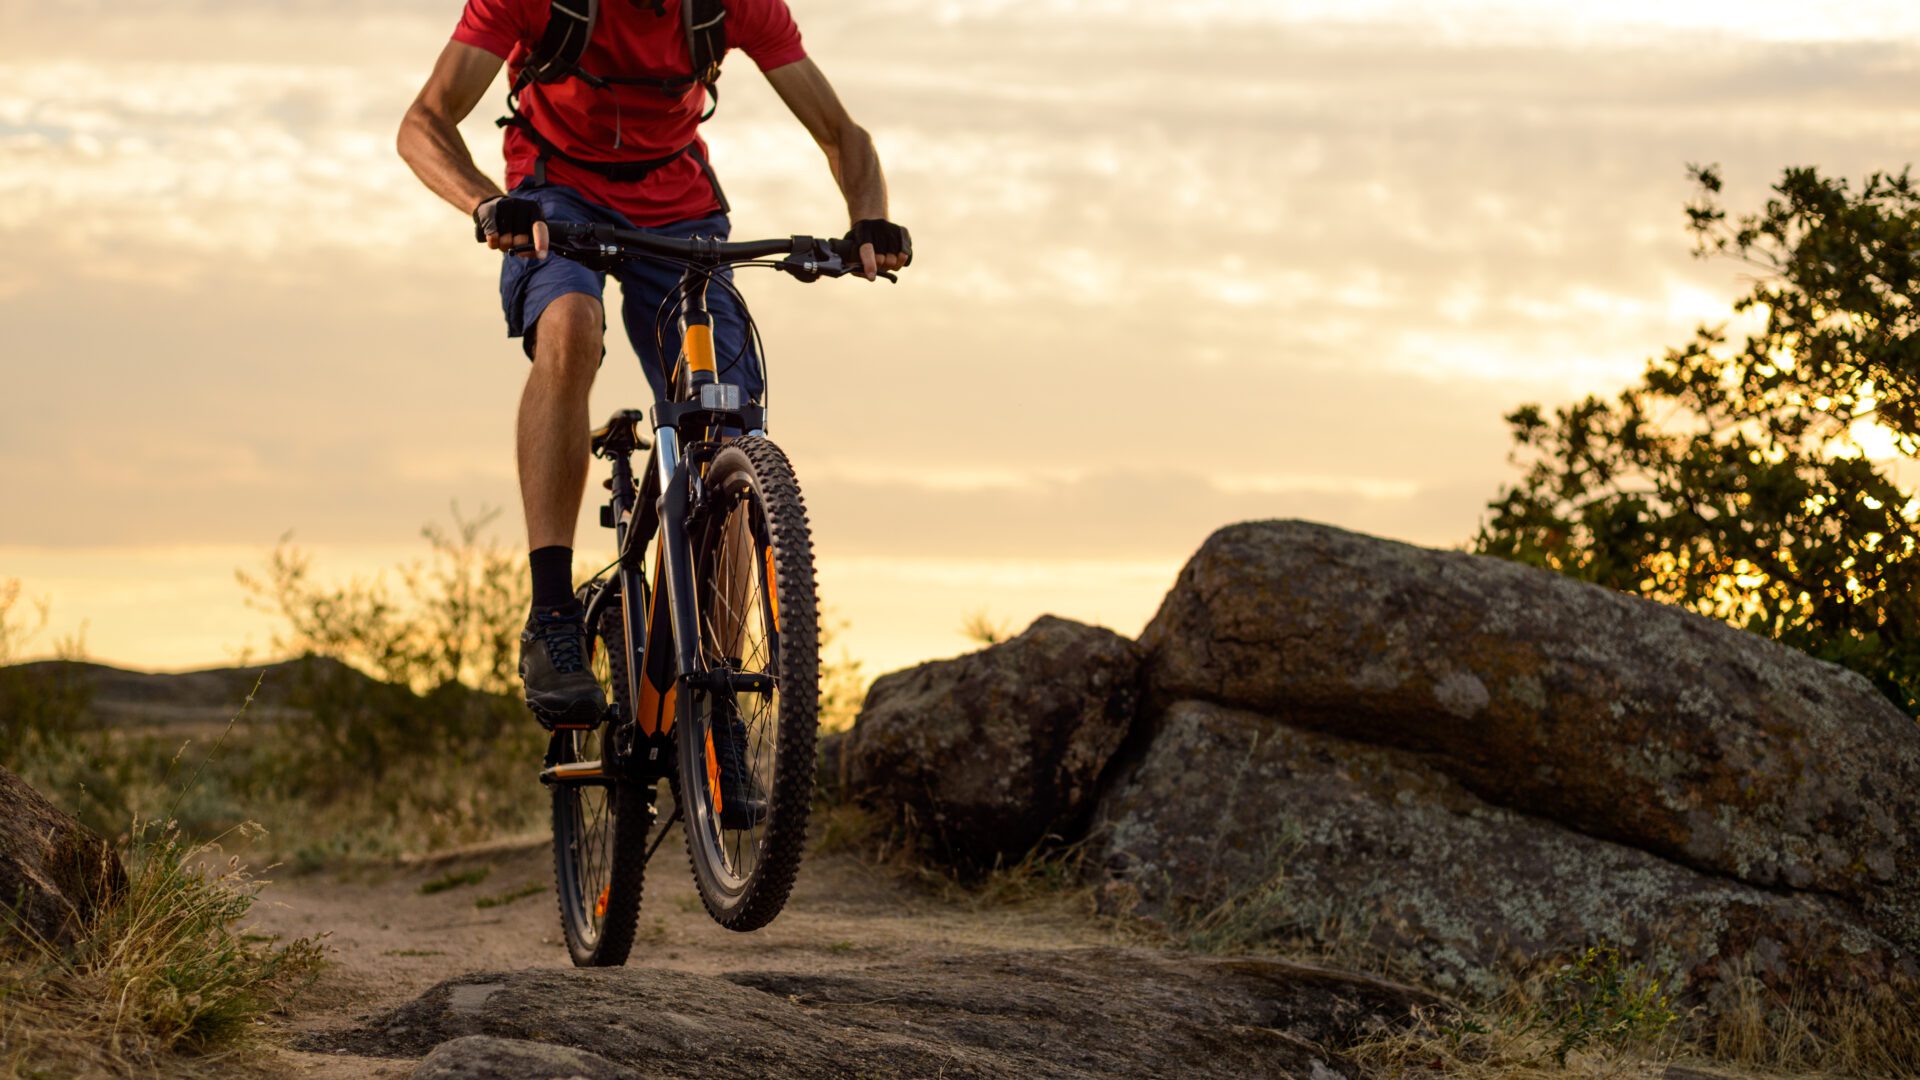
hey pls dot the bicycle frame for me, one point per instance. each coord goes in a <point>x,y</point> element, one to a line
<point>657,502</point>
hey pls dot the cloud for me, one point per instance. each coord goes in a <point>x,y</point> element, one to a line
<point>1177,264</point>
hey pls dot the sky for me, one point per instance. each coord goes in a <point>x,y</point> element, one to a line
<point>1176,265</point>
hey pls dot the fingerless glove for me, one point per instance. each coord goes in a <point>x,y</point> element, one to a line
<point>504,215</point>
<point>886,238</point>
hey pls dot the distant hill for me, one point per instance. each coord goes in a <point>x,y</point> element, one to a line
<point>123,698</point>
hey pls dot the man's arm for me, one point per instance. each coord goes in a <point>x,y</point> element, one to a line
<point>430,142</point>
<point>849,150</point>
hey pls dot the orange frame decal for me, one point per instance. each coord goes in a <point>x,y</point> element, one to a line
<point>655,710</point>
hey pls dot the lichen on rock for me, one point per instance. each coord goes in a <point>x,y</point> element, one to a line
<point>1612,715</point>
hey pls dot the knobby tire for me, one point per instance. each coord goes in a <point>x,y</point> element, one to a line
<point>755,468</point>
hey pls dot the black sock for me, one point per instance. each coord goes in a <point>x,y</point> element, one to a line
<point>552,577</point>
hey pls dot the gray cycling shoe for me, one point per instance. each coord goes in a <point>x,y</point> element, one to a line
<point>561,691</point>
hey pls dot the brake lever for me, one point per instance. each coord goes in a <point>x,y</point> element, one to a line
<point>812,266</point>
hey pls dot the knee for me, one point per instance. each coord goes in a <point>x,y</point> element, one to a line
<point>568,338</point>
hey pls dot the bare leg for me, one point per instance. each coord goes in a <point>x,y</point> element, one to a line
<point>553,424</point>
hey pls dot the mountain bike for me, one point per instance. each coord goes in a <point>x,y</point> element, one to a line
<point>710,661</point>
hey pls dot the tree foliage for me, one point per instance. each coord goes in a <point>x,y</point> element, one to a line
<point>1767,480</point>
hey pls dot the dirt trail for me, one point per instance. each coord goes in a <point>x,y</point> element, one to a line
<point>391,942</point>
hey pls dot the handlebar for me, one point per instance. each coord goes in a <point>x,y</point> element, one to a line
<point>806,257</point>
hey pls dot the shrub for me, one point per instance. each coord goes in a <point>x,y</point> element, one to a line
<point>39,703</point>
<point>415,737</point>
<point>162,971</point>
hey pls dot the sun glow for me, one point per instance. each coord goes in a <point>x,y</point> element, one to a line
<point>1380,227</point>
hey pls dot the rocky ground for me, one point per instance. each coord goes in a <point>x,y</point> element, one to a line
<point>865,974</point>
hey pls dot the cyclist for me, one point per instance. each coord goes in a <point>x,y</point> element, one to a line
<point>605,108</point>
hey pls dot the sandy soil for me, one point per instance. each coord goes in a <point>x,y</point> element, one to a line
<point>390,941</point>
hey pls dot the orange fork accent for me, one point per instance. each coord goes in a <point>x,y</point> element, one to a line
<point>773,594</point>
<point>713,773</point>
<point>600,905</point>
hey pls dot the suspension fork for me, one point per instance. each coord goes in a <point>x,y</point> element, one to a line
<point>675,476</point>
<point>676,556</point>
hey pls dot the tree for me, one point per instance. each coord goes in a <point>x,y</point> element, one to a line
<point>1764,482</point>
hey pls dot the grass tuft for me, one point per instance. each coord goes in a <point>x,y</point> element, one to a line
<point>531,888</point>
<point>1597,1015</point>
<point>454,879</point>
<point>162,972</point>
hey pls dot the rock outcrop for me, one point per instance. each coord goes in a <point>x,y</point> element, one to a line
<point>1263,832</point>
<point>1611,715</point>
<point>1471,765</point>
<point>1085,1013</point>
<point>999,749</point>
<point>55,873</point>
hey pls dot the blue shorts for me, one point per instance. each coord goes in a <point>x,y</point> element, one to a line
<point>647,286</point>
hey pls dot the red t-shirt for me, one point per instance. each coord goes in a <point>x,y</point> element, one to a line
<point>624,123</point>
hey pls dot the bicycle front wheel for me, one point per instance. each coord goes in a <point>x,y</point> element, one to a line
<point>746,738</point>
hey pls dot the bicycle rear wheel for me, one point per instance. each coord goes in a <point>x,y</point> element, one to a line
<point>753,572</point>
<point>600,819</point>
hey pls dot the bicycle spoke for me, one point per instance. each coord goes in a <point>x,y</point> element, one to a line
<point>735,632</point>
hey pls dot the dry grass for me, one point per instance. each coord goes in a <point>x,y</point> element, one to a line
<point>1597,1015</point>
<point>1870,1036</point>
<point>1600,1015</point>
<point>162,982</point>
<point>1054,872</point>
<point>1874,1033</point>
<point>1462,1048</point>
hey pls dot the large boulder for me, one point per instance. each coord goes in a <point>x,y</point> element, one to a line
<point>1069,1013</point>
<point>55,873</point>
<point>995,751</point>
<point>1610,715</point>
<point>1246,832</point>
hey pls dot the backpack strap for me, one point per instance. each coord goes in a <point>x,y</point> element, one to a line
<point>569,28</point>
<point>626,172</point>
<point>706,22</point>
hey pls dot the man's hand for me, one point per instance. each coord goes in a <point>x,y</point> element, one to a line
<point>504,223</point>
<point>882,245</point>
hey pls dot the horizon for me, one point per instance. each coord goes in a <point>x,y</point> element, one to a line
<point>1300,269</point>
